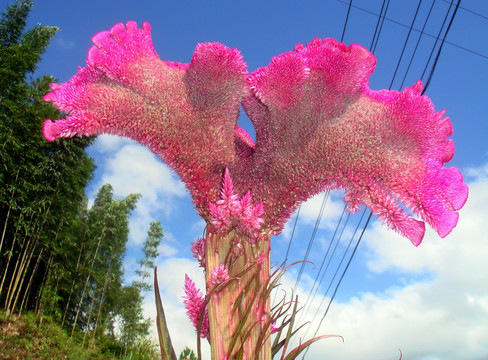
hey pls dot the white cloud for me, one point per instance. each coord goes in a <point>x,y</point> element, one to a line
<point>332,211</point>
<point>107,144</point>
<point>442,316</point>
<point>480,173</point>
<point>171,278</point>
<point>445,317</point>
<point>132,168</point>
<point>64,44</point>
<point>165,249</point>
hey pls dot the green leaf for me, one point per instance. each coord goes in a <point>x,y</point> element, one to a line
<point>296,351</point>
<point>167,351</point>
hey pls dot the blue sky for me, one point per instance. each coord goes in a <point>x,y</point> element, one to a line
<point>431,302</point>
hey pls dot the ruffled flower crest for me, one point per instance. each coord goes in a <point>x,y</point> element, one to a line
<point>318,126</point>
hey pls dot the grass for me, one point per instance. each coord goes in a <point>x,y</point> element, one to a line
<point>22,337</point>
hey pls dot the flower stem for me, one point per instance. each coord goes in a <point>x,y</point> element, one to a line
<point>239,311</point>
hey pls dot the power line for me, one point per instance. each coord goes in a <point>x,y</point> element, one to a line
<point>440,48</point>
<point>293,232</point>
<point>312,238</point>
<point>436,40</point>
<point>414,29</point>
<point>435,43</point>
<point>470,11</point>
<point>347,18</point>
<point>340,279</point>
<point>405,44</point>
<point>379,24</point>
<point>417,45</point>
<point>335,239</point>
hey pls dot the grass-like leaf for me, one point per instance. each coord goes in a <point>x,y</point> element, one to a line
<point>296,351</point>
<point>167,351</point>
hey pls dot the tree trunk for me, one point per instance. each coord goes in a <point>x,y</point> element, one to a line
<point>18,272</point>
<point>108,277</point>
<point>39,308</point>
<point>8,214</point>
<point>73,282</point>
<point>10,255</point>
<point>24,272</point>
<point>239,311</point>
<point>5,225</point>
<point>86,284</point>
<point>90,310</point>
<point>29,284</point>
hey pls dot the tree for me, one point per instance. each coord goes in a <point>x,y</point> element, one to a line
<point>101,272</point>
<point>41,184</point>
<point>151,252</point>
<point>134,327</point>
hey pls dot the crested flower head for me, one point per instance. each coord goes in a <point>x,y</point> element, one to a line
<point>318,126</point>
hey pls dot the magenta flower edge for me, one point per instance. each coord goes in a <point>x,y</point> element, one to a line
<point>318,126</point>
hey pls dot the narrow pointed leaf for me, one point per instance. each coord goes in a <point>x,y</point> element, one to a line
<point>167,351</point>
<point>296,351</point>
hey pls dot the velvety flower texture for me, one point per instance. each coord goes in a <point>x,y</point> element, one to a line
<point>318,126</point>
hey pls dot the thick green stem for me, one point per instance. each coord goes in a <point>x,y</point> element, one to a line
<point>239,311</point>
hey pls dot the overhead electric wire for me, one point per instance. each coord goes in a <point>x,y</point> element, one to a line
<point>347,18</point>
<point>316,282</point>
<point>414,29</point>
<point>436,40</point>
<point>292,232</point>
<point>340,279</point>
<point>470,11</point>
<point>380,22</point>
<point>427,83</point>
<point>324,296</point>
<point>289,244</point>
<point>312,238</point>
<point>417,44</point>
<point>405,44</point>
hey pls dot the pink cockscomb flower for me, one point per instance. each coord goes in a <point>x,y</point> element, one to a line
<point>198,250</point>
<point>219,274</point>
<point>229,213</point>
<point>318,126</point>
<point>195,307</point>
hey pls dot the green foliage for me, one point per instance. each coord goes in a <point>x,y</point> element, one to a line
<point>21,51</point>
<point>134,328</point>
<point>187,354</point>
<point>41,183</point>
<point>154,237</point>
<point>22,337</point>
<point>58,258</point>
